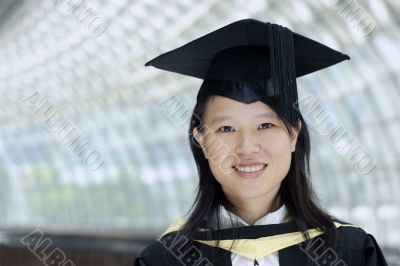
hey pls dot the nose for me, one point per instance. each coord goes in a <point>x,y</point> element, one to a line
<point>247,144</point>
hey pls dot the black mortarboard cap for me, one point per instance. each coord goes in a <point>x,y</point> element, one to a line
<point>249,60</point>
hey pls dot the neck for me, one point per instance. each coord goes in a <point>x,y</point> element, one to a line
<point>252,209</point>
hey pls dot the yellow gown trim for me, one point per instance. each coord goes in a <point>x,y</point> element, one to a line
<point>256,248</point>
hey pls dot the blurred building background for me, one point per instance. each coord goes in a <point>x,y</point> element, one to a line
<point>86,148</point>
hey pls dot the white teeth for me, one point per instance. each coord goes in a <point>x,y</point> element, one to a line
<point>249,169</point>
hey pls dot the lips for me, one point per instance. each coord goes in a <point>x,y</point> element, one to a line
<point>250,171</point>
<point>250,168</point>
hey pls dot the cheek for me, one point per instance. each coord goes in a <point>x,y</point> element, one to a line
<point>219,149</point>
<point>280,153</point>
<point>221,160</point>
<point>277,145</point>
<point>220,174</point>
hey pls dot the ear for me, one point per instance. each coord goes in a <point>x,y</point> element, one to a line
<point>198,137</point>
<point>295,134</point>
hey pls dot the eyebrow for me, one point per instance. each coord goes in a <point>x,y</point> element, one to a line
<point>220,119</point>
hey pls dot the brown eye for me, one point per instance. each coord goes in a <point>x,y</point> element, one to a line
<point>266,125</point>
<point>225,129</point>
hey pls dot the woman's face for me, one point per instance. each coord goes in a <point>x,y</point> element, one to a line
<point>247,146</point>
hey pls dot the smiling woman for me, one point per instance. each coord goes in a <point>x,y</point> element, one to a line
<point>254,204</point>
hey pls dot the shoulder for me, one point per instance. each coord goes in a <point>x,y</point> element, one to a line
<point>354,241</point>
<point>150,255</point>
<point>354,235</point>
<point>164,251</point>
<point>353,247</point>
<point>350,235</point>
<point>160,251</point>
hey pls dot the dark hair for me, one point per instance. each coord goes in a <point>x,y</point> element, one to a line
<point>295,191</point>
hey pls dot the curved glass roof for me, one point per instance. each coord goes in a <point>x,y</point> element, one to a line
<point>86,144</point>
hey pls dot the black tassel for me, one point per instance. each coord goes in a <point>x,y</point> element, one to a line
<point>256,263</point>
<point>283,69</point>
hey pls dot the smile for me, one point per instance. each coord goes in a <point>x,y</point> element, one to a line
<point>252,168</point>
<point>252,171</point>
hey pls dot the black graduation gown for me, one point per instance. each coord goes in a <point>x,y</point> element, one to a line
<point>354,247</point>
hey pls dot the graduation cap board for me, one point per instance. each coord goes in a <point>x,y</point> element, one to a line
<point>249,60</point>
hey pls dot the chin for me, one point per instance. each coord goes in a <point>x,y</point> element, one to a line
<point>251,194</point>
